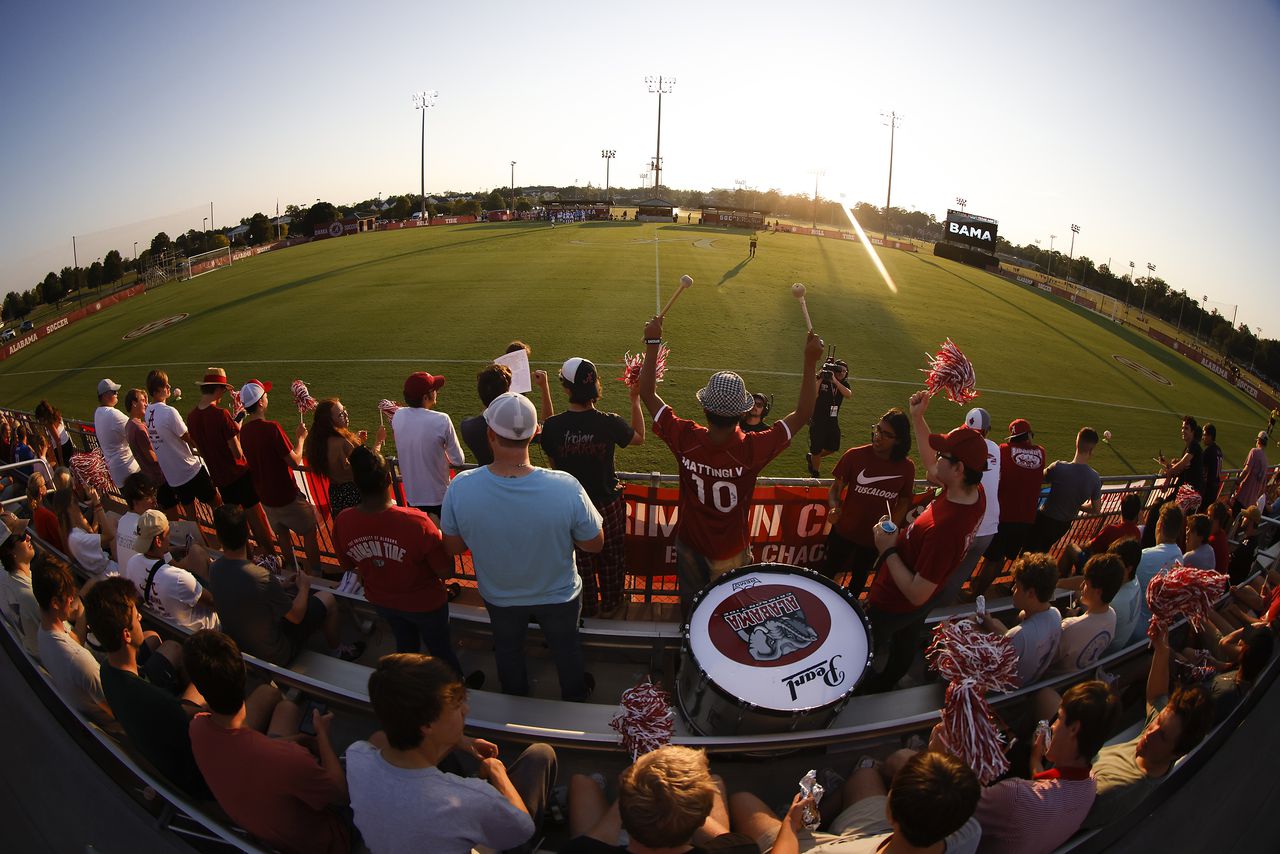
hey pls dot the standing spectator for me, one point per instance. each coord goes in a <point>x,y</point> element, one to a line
<point>143,685</point>
<point>522,524</point>
<point>1199,553</point>
<point>1189,468</point>
<point>1036,638</point>
<point>490,382</point>
<point>135,403</point>
<point>271,459</point>
<point>1212,460</point>
<point>400,556</point>
<point>581,441</point>
<point>269,784</point>
<point>754,421</point>
<point>406,791</point>
<point>328,448</point>
<point>824,425</point>
<point>1071,486</point>
<point>425,443</point>
<point>1253,477</point>
<point>1021,474</point>
<point>1086,638</point>
<point>217,436</point>
<point>171,591</point>
<point>979,419</point>
<point>718,464</point>
<point>76,673</point>
<point>171,441</point>
<point>864,482</point>
<point>50,417</point>
<point>109,426</point>
<point>916,562</point>
<point>18,605</point>
<point>1156,560</point>
<point>1074,557</point>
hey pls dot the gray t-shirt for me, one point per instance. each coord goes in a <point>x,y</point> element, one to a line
<point>251,603</point>
<point>76,673</point>
<point>1125,604</point>
<point>1122,785</point>
<point>1201,557</point>
<point>1036,640</point>
<point>1070,486</point>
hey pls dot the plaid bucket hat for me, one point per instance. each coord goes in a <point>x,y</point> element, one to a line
<point>725,394</point>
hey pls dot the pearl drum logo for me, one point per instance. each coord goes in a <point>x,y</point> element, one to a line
<point>154,326</point>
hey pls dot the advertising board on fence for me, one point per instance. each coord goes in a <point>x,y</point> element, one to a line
<point>68,319</point>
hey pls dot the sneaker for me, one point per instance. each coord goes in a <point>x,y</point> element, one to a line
<point>350,651</point>
<point>474,680</point>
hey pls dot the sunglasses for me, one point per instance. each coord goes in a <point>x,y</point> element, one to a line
<point>949,459</point>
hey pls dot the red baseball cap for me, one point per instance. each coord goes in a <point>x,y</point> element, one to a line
<point>963,443</point>
<point>1020,429</point>
<point>419,383</point>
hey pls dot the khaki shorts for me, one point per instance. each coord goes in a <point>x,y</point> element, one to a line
<point>864,819</point>
<point>298,516</point>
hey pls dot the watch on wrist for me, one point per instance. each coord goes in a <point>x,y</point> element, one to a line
<point>653,340</point>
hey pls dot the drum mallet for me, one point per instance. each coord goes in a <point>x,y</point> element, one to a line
<point>686,281</point>
<point>797,291</point>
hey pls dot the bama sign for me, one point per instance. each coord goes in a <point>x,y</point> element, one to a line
<point>971,230</point>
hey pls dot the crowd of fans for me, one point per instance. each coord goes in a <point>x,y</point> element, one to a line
<point>547,544</point>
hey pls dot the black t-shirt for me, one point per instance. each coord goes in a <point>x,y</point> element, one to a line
<point>251,602</point>
<point>829,399</point>
<point>762,427</point>
<point>475,432</point>
<point>725,843</point>
<point>1193,474</point>
<point>582,444</point>
<point>1212,462</point>
<point>156,725</point>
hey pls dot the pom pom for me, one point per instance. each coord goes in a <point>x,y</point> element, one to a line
<point>632,363</point>
<point>237,406</point>
<point>1187,499</point>
<point>952,372</point>
<point>1182,591</point>
<point>388,407</point>
<point>90,468</point>
<point>645,718</point>
<point>302,397</point>
<point>974,663</point>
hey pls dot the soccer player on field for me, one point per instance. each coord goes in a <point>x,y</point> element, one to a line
<point>719,463</point>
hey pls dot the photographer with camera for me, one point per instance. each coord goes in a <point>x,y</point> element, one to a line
<point>824,426</point>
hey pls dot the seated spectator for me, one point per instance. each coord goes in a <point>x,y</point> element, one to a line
<point>928,806</point>
<point>143,684</point>
<point>1073,557</point>
<point>23,452</point>
<point>1199,553</point>
<point>169,590</point>
<point>1037,815</point>
<point>1036,637</point>
<point>89,543</point>
<point>268,783</point>
<point>1125,602</point>
<point>328,447</point>
<point>407,791</point>
<point>75,672</point>
<point>490,382</point>
<point>1244,533</point>
<point>43,520</point>
<point>1156,560</point>
<point>1251,648</point>
<point>140,493</point>
<point>18,603</point>
<point>1085,638</point>
<point>1176,723</point>
<point>254,608</point>
<point>668,800</point>
<point>1220,517</point>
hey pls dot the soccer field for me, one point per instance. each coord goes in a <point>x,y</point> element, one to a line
<point>352,316</point>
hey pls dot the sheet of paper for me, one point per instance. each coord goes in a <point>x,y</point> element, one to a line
<point>518,363</point>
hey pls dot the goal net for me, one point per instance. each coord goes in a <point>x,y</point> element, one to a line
<point>205,262</point>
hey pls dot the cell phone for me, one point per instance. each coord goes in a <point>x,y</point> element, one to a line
<point>307,726</point>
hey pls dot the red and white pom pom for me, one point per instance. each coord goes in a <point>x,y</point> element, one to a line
<point>237,406</point>
<point>975,663</point>
<point>1183,591</point>
<point>90,469</point>
<point>1187,499</point>
<point>632,363</point>
<point>952,372</point>
<point>302,397</point>
<point>388,407</point>
<point>645,718</point>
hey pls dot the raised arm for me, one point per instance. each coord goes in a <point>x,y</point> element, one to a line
<point>649,371</point>
<point>1158,676</point>
<point>548,406</point>
<point>813,348</point>
<point>637,416</point>
<point>918,406</point>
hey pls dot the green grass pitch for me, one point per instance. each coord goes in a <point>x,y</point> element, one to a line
<point>352,316</point>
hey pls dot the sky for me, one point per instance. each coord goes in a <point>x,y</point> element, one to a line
<point>1145,123</point>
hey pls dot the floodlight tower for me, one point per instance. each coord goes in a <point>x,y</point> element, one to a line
<point>1129,299</point>
<point>892,119</point>
<point>424,100</point>
<point>961,202</point>
<point>662,86</point>
<point>513,186</point>
<point>1075,229</point>
<point>1256,347</point>
<point>608,154</point>
<point>1052,237</point>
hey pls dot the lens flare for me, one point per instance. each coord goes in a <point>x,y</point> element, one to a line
<point>871,249</point>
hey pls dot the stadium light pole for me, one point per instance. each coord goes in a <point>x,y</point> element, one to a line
<point>662,86</point>
<point>424,100</point>
<point>1257,345</point>
<point>1130,297</point>
<point>1052,237</point>
<point>817,173</point>
<point>513,185</point>
<point>892,119</point>
<point>961,202</point>
<point>608,154</point>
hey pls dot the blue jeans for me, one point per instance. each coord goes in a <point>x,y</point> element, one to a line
<point>415,629</point>
<point>559,624</point>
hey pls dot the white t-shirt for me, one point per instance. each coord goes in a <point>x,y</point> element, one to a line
<point>425,809</point>
<point>426,445</point>
<point>109,424</point>
<point>76,673</point>
<point>86,548</point>
<point>991,486</point>
<point>20,610</point>
<point>174,593</point>
<point>1036,640</point>
<point>1084,640</point>
<point>165,429</point>
<point>126,536</point>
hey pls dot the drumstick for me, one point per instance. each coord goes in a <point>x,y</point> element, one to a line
<point>686,281</point>
<point>381,423</point>
<point>798,291</point>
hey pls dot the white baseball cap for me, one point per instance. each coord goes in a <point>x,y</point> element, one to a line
<point>512,416</point>
<point>252,392</point>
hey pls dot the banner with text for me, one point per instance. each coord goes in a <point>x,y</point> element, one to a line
<point>53,326</point>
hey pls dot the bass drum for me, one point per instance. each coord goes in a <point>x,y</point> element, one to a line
<point>771,648</point>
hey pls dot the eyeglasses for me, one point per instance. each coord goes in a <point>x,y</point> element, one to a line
<point>952,460</point>
<point>877,430</point>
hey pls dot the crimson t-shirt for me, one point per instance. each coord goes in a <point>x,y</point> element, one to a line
<point>45,521</point>
<point>717,481</point>
<point>212,428</point>
<point>871,482</point>
<point>1114,533</point>
<point>267,448</point>
<point>1021,475</point>
<point>1221,550</point>
<point>932,546</point>
<point>397,552</point>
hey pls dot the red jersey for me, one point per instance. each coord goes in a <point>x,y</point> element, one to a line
<point>932,546</point>
<point>397,552</point>
<point>267,449</point>
<point>1114,533</point>
<point>1221,550</point>
<point>1021,475</point>
<point>871,482</point>
<point>212,428</point>
<point>716,481</point>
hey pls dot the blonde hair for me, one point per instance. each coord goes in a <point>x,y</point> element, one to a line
<point>665,796</point>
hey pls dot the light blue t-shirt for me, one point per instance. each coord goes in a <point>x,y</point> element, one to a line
<point>1155,560</point>
<point>1125,604</point>
<point>521,532</point>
